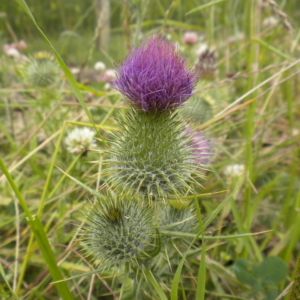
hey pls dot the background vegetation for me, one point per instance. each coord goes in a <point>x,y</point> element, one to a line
<point>252,120</point>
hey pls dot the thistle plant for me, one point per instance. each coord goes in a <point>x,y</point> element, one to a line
<point>199,109</point>
<point>41,70</point>
<point>152,155</point>
<point>120,233</point>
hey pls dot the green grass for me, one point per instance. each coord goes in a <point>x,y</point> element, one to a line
<point>256,124</point>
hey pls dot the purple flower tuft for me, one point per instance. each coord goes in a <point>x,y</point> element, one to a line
<point>202,147</point>
<point>155,77</point>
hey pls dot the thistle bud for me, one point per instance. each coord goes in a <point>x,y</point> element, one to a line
<point>199,109</point>
<point>120,233</point>
<point>178,219</point>
<point>152,155</point>
<point>41,70</point>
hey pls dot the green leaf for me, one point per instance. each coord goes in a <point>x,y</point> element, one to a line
<point>271,294</point>
<point>67,72</point>
<point>198,8</point>
<point>241,272</point>
<point>272,270</point>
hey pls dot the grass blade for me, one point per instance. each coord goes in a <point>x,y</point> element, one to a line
<point>273,49</point>
<point>93,192</point>
<point>200,293</point>
<point>198,8</point>
<point>149,276</point>
<point>174,289</point>
<point>80,275</point>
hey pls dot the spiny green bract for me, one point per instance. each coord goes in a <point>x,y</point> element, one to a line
<point>177,219</point>
<point>41,70</point>
<point>151,155</point>
<point>120,233</point>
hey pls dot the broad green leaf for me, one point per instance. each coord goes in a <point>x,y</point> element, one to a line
<point>242,273</point>
<point>271,294</point>
<point>272,270</point>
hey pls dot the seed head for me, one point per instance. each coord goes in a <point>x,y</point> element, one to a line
<point>120,232</point>
<point>155,77</point>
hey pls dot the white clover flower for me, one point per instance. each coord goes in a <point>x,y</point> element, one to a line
<point>270,22</point>
<point>169,37</point>
<point>100,66</point>
<point>295,131</point>
<point>234,170</point>
<point>239,37</point>
<point>110,75</point>
<point>190,38</point>
<point>75,71</point>
<point>80,140</point>
<point>13,53</point>
<point>107,86</point>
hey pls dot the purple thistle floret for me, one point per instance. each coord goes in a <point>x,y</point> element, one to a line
<point>155,77</point>
<point>202,147</point>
